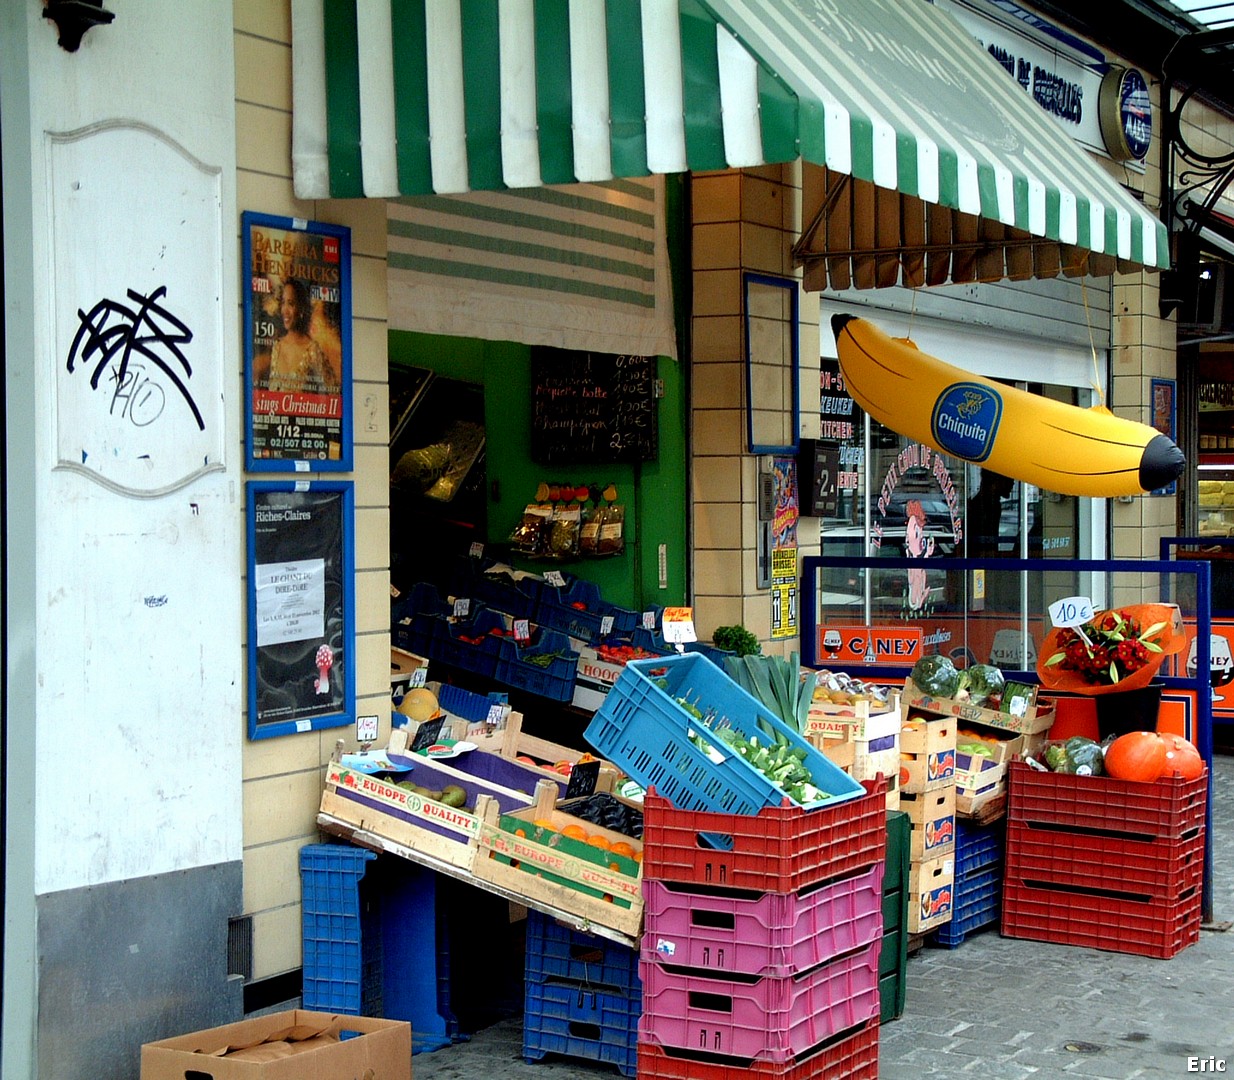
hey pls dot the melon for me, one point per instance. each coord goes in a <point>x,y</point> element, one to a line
<point>419,704</point>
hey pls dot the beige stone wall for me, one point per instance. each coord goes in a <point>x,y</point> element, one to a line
<point>742,221</point>
<point>283,776</point>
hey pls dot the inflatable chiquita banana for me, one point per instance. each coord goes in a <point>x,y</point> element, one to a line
<point>1056,446</point>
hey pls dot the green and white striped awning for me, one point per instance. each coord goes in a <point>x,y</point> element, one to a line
<point>412,97</point>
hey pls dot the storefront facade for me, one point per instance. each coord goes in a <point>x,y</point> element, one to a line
<point>130,786</point>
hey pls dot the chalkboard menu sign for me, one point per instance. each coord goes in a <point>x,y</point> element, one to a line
<point>592,407</point>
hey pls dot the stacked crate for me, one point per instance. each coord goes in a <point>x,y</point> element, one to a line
<point>927,795</point>
<point>1110,864</point>
<point>893,960</point>
<point>978,881</point>
<point>762,941</point>
<point>582,996</point>
<point>862,738</point>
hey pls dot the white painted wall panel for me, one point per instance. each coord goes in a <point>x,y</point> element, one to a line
<point>138,727</point>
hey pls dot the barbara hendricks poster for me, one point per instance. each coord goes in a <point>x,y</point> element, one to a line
<point>297,318</point>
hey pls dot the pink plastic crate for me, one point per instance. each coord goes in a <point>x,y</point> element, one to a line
<point>766,934</point>
<point>770,1019</point>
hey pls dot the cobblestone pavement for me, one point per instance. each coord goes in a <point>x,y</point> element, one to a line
<point>999,1008</point>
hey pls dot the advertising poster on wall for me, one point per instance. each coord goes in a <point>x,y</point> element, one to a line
<point>297,348</point>
<point>784,583</point>
<point>300,606</point>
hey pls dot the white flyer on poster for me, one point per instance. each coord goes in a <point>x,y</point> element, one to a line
<point>291,601</point>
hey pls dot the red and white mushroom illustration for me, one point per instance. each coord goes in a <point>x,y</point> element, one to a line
<point>325,658</point>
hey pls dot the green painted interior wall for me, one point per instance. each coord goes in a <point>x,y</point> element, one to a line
<point>654,492</point>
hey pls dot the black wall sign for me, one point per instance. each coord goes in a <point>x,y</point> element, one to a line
<point>592,407</point>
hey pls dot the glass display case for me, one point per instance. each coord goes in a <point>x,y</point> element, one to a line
<point>1216,496</point>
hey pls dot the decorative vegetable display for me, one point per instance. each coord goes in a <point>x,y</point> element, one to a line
<point>984,683</point>
<point>936,675</point>
<point>736,639</point>
<point>1116,650</point>
<point>1138,755</point>
<point>1181,757</point>
<point>779,684</point>
<point>1078,755</point>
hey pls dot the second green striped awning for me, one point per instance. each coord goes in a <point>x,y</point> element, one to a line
<point>412,97</point>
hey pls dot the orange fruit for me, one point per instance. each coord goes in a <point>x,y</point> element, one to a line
<point>638,855</point>
<point>520,832</point>
<point>599,841</point>
<point>544,823</point>
<point>574,832</point>
<point>622,848</point>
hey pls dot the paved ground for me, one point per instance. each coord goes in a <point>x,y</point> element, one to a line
<point>999,1008</point>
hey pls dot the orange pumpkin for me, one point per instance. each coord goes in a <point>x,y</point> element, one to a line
<point>1138,755</point>
<point>1181,757</point>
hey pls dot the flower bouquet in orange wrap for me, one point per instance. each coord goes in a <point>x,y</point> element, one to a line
<point>1117,650</point>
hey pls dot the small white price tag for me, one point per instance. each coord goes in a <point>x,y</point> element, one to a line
<point>366,728</point>
<point>496,715</point>
<point>649,620</point>
<point>304,725</point>
<point>462,606</point>
<point>522,630</point>
<point>606,625</point>
<point>477,550</point>
<point>1071,611</point>
<point>418,677</point>
<point>553,577</point>
<point>679,625</point>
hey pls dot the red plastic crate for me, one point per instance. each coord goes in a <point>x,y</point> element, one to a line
<point>767,1019</point>
<point>780,849</point>
<point>1168,809</point>
<point>1142,928</point>
<point>764,933</point>
<point>1156,869</point>
<point>853,1055</point>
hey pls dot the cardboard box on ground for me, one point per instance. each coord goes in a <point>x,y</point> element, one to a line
<point>293,1045</point>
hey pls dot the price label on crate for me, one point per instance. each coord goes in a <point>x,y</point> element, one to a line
<point>522,630</point>
<point>496,718</point>
<point>583,778</point>
<point>554,578</point>
<point>1071,611</point>
<point>476,550</point>
<point>679,625</point>
<point>427,733</point>
<point>649,620</point>
<point>366,729</point>
<point>418,677</point>
<point>606,625</point>
<point>461,607</point>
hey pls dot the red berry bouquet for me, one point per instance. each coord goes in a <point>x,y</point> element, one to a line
<point>1119,649</point>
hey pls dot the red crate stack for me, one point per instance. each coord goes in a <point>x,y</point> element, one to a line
<point>760,953</point>
<point>1105,863</point>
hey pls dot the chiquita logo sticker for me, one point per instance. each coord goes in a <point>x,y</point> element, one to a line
<point>965,420</point>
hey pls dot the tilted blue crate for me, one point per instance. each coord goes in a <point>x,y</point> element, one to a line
<point>555,951</point>
<point>642,729</point>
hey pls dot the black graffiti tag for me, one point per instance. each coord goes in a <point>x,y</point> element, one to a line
<point>112,329</point>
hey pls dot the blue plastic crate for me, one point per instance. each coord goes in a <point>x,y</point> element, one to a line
<point>978,846</point>
<point>977,903</point>
<point>448,647</point>
<point>553,680</point>
<point>470,577</point>
<point>469,706</point>
<point>340,923</point>
<point>642,730</point>
<point>556,609</point>
<point>562,1017</point>
<point>555,951</point>
<point>415,617</point>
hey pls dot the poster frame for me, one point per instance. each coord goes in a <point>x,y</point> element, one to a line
<point>251,220</point>
<point>1165,418</point>
<point>257,728</point>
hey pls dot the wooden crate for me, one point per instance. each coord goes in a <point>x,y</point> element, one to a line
<point>932,814</point>
<point>855,721</point>
<point>927,753</point>
<point>931,893</point>
<point>541,864</point>
<point>1039,716</point>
